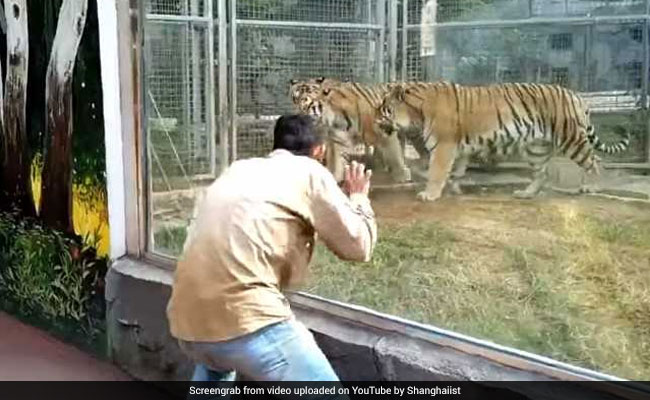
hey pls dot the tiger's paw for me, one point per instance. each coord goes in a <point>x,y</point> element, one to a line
<point>402,176</point>
<point>523,194</point>
<point>427,197</point>
<point>586,189</point>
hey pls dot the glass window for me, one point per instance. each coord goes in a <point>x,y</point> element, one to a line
<point>180,93</point>
<point>562,274</point>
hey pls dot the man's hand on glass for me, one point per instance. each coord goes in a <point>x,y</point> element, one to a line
<point>357,179</point>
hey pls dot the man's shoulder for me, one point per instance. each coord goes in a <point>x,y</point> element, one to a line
<point>284,163</point>
<point>299,163</point>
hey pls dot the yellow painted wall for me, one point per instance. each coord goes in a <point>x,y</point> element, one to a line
<point>89,209</point>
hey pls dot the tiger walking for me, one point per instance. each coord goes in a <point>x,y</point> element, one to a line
<point>348,110</point>
<point>541,120</point>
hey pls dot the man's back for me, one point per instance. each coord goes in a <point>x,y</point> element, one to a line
<point>253,236</point>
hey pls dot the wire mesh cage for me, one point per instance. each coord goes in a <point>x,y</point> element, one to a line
<point>179,97</point>
<point>176,7</point>
<point>542,41</point>
<point>465,41</point>
<point>339,11</point>
<point>176,99</point>
<point>337,39</point>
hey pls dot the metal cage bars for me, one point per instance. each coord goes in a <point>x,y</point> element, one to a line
<point>390,27</point>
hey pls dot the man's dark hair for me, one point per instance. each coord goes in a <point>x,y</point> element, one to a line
<point>297,134</point>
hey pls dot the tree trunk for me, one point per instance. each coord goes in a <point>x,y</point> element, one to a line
<point>56,195</point>
<point>16,183</point>
<point>3,139</point>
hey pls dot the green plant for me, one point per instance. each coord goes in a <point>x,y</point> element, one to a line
<point>48,275</point>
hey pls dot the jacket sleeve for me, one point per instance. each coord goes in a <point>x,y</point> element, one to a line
<point>347,226</point>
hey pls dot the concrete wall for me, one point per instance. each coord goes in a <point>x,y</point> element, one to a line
<point>359,344</point>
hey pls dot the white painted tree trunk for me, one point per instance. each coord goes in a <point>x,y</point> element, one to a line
<point>16,162</point>
<point>56,197</point>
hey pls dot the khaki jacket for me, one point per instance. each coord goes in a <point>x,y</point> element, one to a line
<point>254,236</point>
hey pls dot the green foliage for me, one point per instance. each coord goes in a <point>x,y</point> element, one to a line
<point>170,240</point>
<point>47,275</point>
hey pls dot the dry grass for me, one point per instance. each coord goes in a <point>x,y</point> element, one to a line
<point>565,278</point>
<point>89,212</point>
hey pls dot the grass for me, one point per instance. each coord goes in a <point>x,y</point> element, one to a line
<point>170,240</point>
<point>555,280</point>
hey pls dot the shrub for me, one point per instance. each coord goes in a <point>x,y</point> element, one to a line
<point>52,278</point>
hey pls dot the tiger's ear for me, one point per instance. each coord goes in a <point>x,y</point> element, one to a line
<point>293,81</point>
<point>320,79</point>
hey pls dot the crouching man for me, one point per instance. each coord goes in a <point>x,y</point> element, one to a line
<point>253,237</point>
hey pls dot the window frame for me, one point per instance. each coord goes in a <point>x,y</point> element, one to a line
<point>130,220</point>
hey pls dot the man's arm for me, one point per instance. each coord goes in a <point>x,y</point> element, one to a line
<point>346,225</point>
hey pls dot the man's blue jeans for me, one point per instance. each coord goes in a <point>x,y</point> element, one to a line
<point>284,351</point>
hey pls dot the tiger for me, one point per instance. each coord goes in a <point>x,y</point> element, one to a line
<point>540,120</point>
<point>302,92</point>
<point>348,110</point>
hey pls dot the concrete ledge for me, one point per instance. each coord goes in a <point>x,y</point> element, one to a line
<point>136,322</point>
<point>361,343</point>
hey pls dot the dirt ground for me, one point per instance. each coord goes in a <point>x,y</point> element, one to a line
<point>490,207</point>
<point>493,220</point>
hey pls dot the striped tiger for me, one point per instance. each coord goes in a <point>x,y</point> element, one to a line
<point>302,92</point>
<point>537,119</point>
<point>348,110</point>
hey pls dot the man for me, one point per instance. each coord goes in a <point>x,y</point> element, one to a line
<point>253,237</point>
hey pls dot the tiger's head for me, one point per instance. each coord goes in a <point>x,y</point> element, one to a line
<point>304,93</point>
<point>393,113</point>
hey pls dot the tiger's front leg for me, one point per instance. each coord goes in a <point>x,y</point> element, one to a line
<point>334,160</point>
<point>440,164</point>
<point>391,149</point>
<point>458,172</point>
<point>539,154</point>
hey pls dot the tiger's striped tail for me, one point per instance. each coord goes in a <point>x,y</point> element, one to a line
<point>607,148</point>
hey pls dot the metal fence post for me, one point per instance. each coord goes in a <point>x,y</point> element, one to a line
<point>392,40</point>
<point>381,21</point>
<point>405,32</point>
<point>233,79</point>
<point>213,128</point>
<point>646,62</point>
<point>222,19</point>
